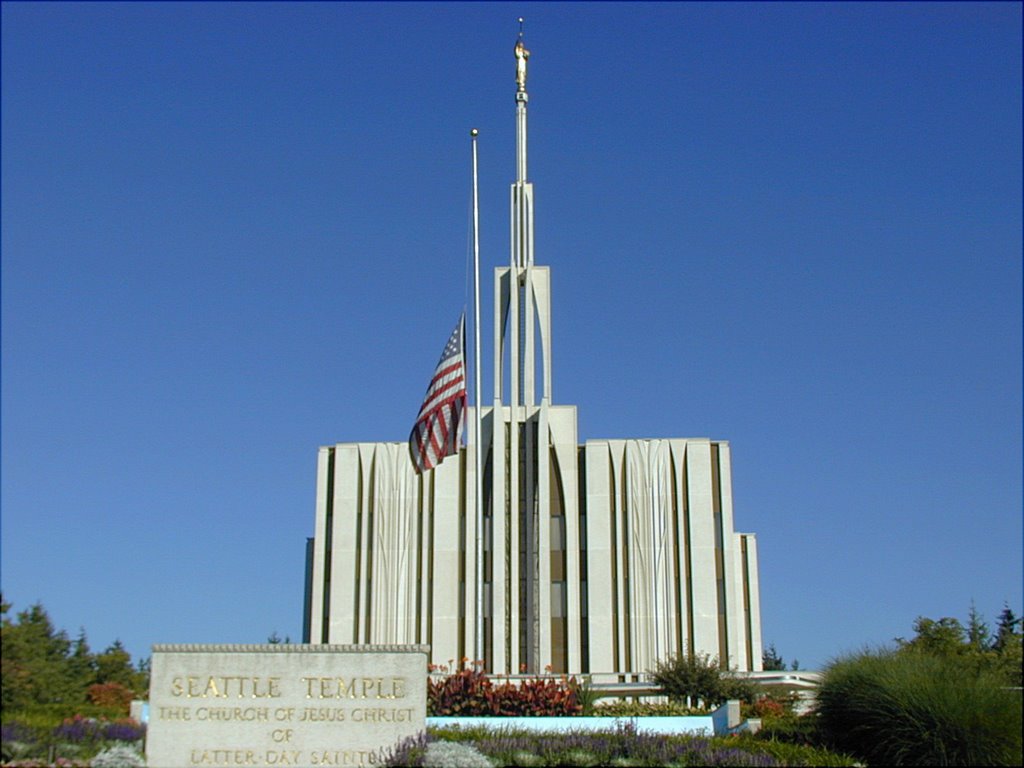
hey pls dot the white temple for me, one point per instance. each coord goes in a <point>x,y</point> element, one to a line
<point>604,557</point>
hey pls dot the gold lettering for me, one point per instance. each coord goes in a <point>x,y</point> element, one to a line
<point>271,688</point>
<point>353,688</point>
<point>343,757</point>
<point>382,715</point>
<point>368,685</point>
<point>226,686</point>
<point>273,757</point>
<point>223,757</point>
<point>175,713</point>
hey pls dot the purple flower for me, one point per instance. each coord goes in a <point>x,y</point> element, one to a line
<point>78,729</point>
<point>123,730</point>
<point>15,731</point>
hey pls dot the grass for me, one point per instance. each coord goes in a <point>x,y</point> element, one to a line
<point>899,708</point>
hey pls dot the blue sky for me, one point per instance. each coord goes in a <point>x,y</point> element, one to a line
<point>233,233</point>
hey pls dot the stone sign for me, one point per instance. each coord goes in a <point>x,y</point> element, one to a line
<point>283,705</point>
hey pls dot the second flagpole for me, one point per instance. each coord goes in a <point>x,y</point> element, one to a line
<point>478,442</point>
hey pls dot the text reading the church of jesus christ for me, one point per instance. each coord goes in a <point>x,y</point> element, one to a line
<point>268,702</point>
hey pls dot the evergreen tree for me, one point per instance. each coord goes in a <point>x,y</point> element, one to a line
<point>978,636</point>
<point>1006,629</point>
<point>114,665</point>
<point>972,646</point>
<point>40,665</point>
<point>36,664</point>
<point>945,637</point>
<point>771,660</point>
<point>1009,647</point>
<point>82,663</point>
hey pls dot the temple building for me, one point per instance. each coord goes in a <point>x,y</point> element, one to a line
<point>601,557</point>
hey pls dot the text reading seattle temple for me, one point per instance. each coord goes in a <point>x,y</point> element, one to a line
<point>604,557</point>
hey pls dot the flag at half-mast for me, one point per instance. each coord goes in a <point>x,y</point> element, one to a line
<point>439,426</point>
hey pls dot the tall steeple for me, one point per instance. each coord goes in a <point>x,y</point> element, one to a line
<point>523,291</point>
<point>522,190</point>
<point>520,469</point>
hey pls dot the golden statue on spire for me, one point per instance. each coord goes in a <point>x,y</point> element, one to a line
<point>521,56</point>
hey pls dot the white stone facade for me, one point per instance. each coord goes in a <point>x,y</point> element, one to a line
<point>600,558</point>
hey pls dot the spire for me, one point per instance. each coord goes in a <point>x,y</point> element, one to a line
<point>522,246</point>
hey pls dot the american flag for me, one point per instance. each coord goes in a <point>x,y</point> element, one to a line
<point>438,429</point>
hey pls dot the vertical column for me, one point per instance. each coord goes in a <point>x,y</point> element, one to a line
<point>363,523</point>
<point>318,591</point>
<point>543,535</point>
<point>447,505</point>
<point>616,450</point>
<point>600,554</point>
<point>499,571</point>
<point>469,607</point>
<point>564,439</point>
<point>704,587</point>
<point>730,557</point>
<point>754,591</point>
<point>680,602</point>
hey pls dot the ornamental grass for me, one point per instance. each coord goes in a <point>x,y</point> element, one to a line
<point>900,708</point>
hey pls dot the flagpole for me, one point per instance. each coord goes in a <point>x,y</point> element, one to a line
<point>479,418</point>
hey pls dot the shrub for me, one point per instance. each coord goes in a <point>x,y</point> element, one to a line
<point>79,729</point>
<point>449,754</point>
<point>791,753</point>
<point>918,709</point>
<point>409,751</point>
<point>30,736</point>
<point>697,677</point>
<point>118,756</point>
<point>624,746</point>
<point>802,730</point>
<point>112,695</point>
<point>125,729</point>
<point>621,708</point>
<point>469,692</point>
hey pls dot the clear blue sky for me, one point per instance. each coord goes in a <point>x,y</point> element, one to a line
<point>233,233</point>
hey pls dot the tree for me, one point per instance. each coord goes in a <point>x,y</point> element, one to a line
<point>36,664</point>
<point>698,677</point>
<point>41,666</point>
<point>82,662</point>
<point>945,637</point>
<point>972,646</point>
<point>1009,647</point>
<point>114,665</point>
<point>1006,629</point>
<point>978,636</point>
<point>771,660</point>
